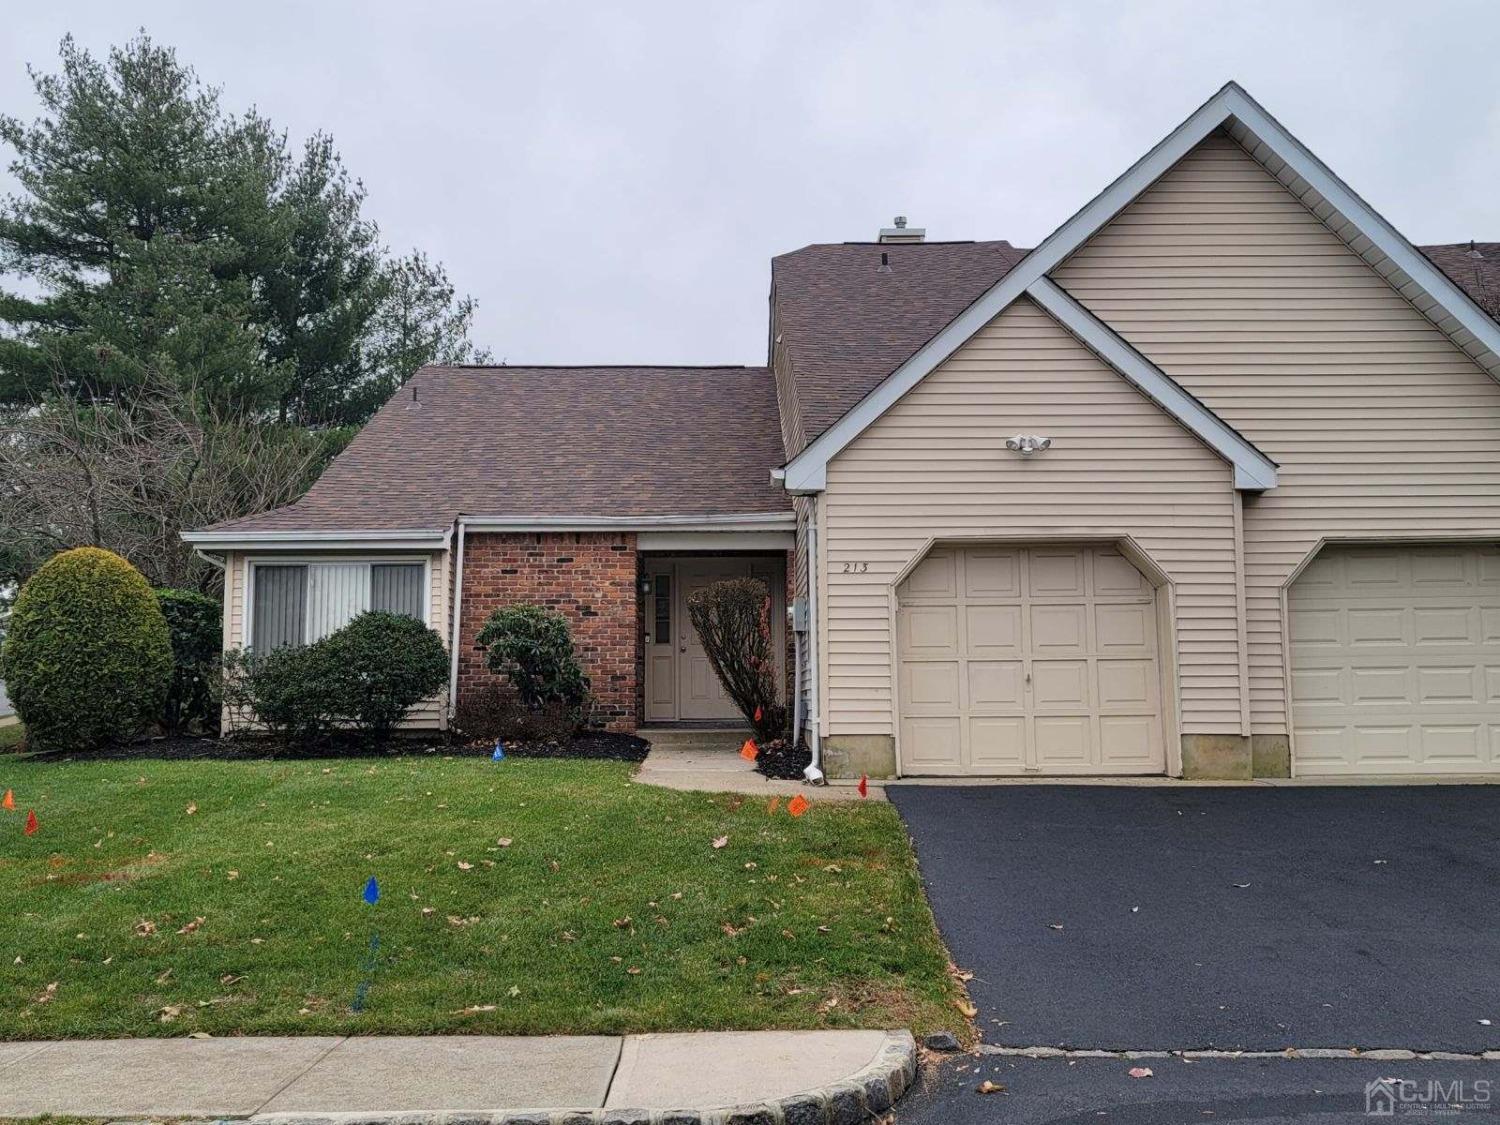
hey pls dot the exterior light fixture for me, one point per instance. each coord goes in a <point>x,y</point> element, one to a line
<point>1027,444</point>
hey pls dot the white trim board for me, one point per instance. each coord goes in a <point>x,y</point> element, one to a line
<point>1253,470</point>
<point>1422,283</point>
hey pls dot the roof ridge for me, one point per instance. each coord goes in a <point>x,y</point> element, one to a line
<point>433,368</point>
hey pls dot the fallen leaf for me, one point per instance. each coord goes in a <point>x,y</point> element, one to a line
<point>145,928</point>
<point>230,978</point>
<point>47,995</point>
<point>199,1035</point>
<point>516,991</point>
<point>1242,886</point>
<point>633,971</point>
<point>192,808</point>
<point>963,1005</point>
<point>622,923</point>
<point>988,1087</point>
<point>463,866</point>
<point>1054,925</point>
<point>428,912</point>
<point>168,1013</point>
<point>721,841</point>
<point>191,926</point>
<point>474,1008</point>
<point>163,977</point>
<point>231,874</point>
<point>504,841</point>
<point>1141,1072</point>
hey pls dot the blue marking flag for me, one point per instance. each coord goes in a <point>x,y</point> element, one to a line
<point>499,754</point>
<point>372,891</point>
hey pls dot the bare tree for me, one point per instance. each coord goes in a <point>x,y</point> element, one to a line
<point>132,475</point>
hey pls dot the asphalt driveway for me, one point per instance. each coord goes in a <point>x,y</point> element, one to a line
<point>1235,918</point>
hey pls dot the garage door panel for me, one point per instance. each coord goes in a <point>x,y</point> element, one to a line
<point>1054,573</point>
<point>1057,629</point>
<point>992,573</point>
<point>1040,660</point>
<point>993,630</point>
<point>996,685</point>
<point>1376,628</point>
<point>1063,742</point>
<point>1060,685</point>
<point>927,631</point>
<point>1129,740</point>
<point>931,686</point>
<point>1448,685</point>
<point>932,745</point>
<point>1125,629</point>
<point>1395,660</point>
<point>1127,686</point>
<point>1445,625</point>
<point>997,744</point>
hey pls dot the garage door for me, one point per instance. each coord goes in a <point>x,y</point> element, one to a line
<point>1028,660</point>
<point>1395,659</point>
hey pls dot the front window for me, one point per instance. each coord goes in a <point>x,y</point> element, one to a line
<point>294,604</point>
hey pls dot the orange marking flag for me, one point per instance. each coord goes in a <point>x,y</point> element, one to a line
<point>31,824</point>
<point>749,751</point>
<point>798,805</point>
<point>10,800</point>
<point>758,713</point>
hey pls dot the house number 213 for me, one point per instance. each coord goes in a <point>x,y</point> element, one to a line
<point>856,567</point>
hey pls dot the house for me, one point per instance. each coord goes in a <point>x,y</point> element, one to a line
<point>1206,484</point>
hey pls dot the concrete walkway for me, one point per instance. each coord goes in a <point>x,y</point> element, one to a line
<point>269,1078</point>
<point>709,760</point>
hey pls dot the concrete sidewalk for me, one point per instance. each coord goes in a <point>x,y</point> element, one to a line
<point>709,760</point>
<point>617,1079</point>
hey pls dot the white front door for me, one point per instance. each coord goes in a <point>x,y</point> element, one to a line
<point>680,681</point>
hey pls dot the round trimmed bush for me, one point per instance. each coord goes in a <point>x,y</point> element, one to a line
<point>88,658</point>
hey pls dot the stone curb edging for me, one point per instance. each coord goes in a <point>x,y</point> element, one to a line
<point>866,1093</point>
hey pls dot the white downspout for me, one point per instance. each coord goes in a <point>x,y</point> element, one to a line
<point>458,605</point>
<point>796,681</point>
<point>814,771</point>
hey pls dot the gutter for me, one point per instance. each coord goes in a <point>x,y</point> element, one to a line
<point>457,609</point>
<point>748,521</point>
<point>814,771</point>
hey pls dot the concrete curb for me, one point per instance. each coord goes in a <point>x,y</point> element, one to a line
<point>866,1093</point>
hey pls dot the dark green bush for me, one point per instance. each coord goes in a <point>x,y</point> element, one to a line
<point>87,656</point>
<point>533,648</point>
<point>733,619</point>
<point>363,678</point>
<point>195,623</point>
<point>384,665</point>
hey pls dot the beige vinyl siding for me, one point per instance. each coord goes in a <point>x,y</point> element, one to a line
<point>935,465</point>
<point>1382,427</point>
<point>431,714</point>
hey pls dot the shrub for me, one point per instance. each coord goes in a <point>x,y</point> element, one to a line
<point>87,656</point>
<point>733,619</point>
<point>492,711</point>
<point>195,624</point>
<point>364,678</point>
<point>384,665</point>
<point>533,647</point>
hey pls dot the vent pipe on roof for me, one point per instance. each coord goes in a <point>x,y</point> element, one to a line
<point>902,233</point>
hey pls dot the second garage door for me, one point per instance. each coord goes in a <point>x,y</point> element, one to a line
<point>1396,661</point>
<point>1029,660</point>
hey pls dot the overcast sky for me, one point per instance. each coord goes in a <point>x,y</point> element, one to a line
<point>611,180</point>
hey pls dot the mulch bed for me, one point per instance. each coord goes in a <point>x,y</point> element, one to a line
<point>596,745</point>
<point>783,761</point>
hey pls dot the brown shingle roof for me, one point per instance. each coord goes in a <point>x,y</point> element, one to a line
<point>847,324</point>
<point>1474,267</point>
<point>551,441</point>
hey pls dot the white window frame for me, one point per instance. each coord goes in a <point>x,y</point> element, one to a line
<point>253,561</point>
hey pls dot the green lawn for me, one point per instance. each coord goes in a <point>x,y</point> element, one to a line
<point>10,736</point>
<point>162,898</point>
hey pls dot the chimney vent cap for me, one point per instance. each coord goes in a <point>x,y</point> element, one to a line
<point>900,232</point>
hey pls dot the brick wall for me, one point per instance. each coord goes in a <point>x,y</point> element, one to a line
<point>590,577</point>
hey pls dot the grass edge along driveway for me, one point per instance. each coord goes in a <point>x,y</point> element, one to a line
<point>523,897</point>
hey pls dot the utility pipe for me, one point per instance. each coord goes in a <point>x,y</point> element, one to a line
<point>814,771</point>
<point>458,605</point>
